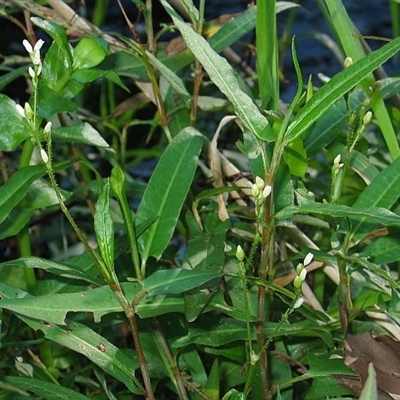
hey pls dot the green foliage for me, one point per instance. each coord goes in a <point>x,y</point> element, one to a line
<point>145,256</point>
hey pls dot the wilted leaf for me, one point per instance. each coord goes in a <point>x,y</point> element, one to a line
<point>383,352</point>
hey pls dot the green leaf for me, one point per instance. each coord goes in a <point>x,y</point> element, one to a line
<point>176,281</point>
<point>87,54</point>
<point>340,84</point>
<point>53,267</point>
<point>14,190</point>
<point>104,227</point>
<point>383,191</point>
<point>57,33</point>
<point>370,390</point>
<point>83,340</point>
<point>79,133</point>
<point>222,74</point>
<point>54,307</point>
<point>51,102</point>
<point>167,190</point>
<point>378,214</point>
<point>14,128</point>
<point>43,389</point>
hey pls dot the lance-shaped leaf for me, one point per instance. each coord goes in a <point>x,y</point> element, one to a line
<point>167,190</point>
<point>222,74</point>
<point>104,227</point>
<point>338,86</point>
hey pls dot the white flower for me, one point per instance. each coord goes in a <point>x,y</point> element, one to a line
<point>45,157</point>
<point>308,258</point>
<point>347,62</point>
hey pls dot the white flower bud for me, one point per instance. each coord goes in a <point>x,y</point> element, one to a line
<point>260,183</point>
<point>308,258</point>
<point>35,57</point>
<point>45,157</point>
<point>303,274</point>
<point>27,46</point>
<point>367,118</point>
<point>28,111</point>
<point>347,62</point>
<point>267,191</point>
<point>31,72</point>
<point>337,159</point>
<point>255,191</point>
<point>299,303</point>
<point>240,253</point>
<point>38,45</point>
<point>47,128</point>
<point>20,110</point>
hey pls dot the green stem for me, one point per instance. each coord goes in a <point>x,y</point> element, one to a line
<point>24,243</point>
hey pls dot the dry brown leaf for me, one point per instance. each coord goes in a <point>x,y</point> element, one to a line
<point>383,352</point>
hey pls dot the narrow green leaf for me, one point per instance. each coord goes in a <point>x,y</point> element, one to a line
<point>383,191</point>
<point>83,340</point>
<point>378,214</point>
<point>54,307</point>
<point>222,74</point>
<point>178,280</point>
<point>79,133</point>
<point>104,227</point>
<point>338,86</point>
<point>233,394</point>
<point>167,190</point>
<point>53,267</point>
<point>44,389</point>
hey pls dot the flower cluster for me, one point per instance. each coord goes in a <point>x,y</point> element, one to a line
<point>34,54</point>
<point>260,191</point>
<point>27,111</point>
<point>301,277</point>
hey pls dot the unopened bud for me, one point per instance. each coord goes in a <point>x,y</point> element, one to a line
<point>299,302</point>
<point>337,159</point>
<point>297,282</point>
<point>260,183</point>
<point>367,118</point>
<point>255,191</point>
<point>240,253</point>
<point>45,157</point>
<point>20,110</point>
<point>28,111</point>
<point>308,258</point>
<point>267,191</point>
<point>347,62</point>
<point>47,128</point>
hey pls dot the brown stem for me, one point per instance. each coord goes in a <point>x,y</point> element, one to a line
<point>130,314</point>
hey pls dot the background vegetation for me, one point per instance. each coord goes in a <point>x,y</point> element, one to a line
<point>170,228</point>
